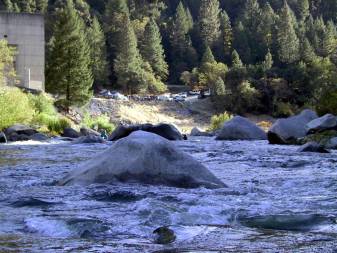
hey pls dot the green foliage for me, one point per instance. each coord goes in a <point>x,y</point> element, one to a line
<point>57,125</point>
<point>15,107</point>
<point>7,72</point>
<point>68,70</point>
<point>98,123</point>
<point>218,120</point>
<point>322,138</point>
<point>42,103</point>
<point>328,103</point>
<point>283,110</point>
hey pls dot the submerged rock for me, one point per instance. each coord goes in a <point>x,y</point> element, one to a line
<point>240,128</point>
<point>164,235</point>
<point>89,139</point>
<point>166,131</point>
<point>287,131</point>
<point>70,133</point>
<point>3,138</point>
<point>39,137</point>
<point>146,158</point>
<point>327,122</point>
<point>312,147</point>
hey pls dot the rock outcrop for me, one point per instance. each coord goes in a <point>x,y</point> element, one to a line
<point>3,138</point>
<point>287,131</point>
<point>327,122</point>
<point>166,131</point>
<point>87,131</point>
<point>146,158</point>
<point>240,128</point>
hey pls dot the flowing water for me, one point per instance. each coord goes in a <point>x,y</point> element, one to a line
<point>277,200</point>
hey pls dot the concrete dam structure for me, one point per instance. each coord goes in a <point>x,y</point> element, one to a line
<point>26,33</point>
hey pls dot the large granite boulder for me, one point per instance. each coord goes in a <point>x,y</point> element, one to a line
<point>287,131</point>
<point>240,128</point>
<point>89,139</point>
<point>39,137</point>
<point>198,132</point>
<point>70,133</point>
<point>327,122</point>
<point>166,131</point>
<point>147,158</point>
<point>19,132</point>
<point>3,138</point>
<point>84,131</point>
<point>312,147</point>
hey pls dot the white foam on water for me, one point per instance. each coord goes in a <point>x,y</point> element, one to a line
<point>48,227</point>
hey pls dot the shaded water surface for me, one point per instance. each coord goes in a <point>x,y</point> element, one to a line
<point>277,200</point>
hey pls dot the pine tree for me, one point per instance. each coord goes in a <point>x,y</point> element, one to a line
<point>287,40</point>
<point>268,62</point>
<point>9,5</point>
<point>41,6</point>
<point>307,51</point>
<point>209,22</point>
<point>189,19</point>
<point>183,55</point>
<point>99,64</point>
<point>266,29</point>
<point>227,34</point>
<point>207,57</point>
<point>236,61</point>
<point>152,50</point>
<point>241,42</point>
<point>329,39</point>
<point>303,9</point>
<point>68,70</point>
<point>128,62</point>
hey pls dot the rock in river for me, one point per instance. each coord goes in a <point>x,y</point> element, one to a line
<point>327,122</point>
<point>147,158</point>
<point>287,131</point>
<point>240,128</point>
<point>312,147</point>
<point>166,131</point>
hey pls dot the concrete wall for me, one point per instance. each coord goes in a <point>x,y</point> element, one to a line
<point>26,33</point>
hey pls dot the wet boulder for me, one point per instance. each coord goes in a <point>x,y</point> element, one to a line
<point>146,158</point>
<point>240,128</point>
<point>84,131</point>
<point>39,137</point>
<point>313,147</point>
<point>327,122</point>
<point>198,132</point>
<point>3,138</point>
<point>287,131</point>
<point>332,143</point>
<point>164,235</point>
<point>19,132</point>
<point>70,133</point>
<point>90,139</point>
<point>167,131</point>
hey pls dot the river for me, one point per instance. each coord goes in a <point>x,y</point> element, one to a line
<point>277,200</point>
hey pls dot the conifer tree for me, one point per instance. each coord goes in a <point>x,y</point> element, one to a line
<point>68,70</point>
<point>241,42</point>
<point>41,6</point>
<point>236,61</point>
<point>99,64</point>
<point>268,62</point>
<point>209,22</point>
<point>227,34</point>
<point>9,5</point>
<point>152,50</point>
<point>207,57</point>
<point>307,51</point>
<point>303,9</point>
<point>266,28</point>
<point>189,19</point>
<point>287,40</point>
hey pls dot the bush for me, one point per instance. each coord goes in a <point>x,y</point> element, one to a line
<point>98,123</point>
<point>328,103</point>
<point>283,110</point>
<point>42,103</point>
<point>218,120</point>
<point>15,107</point>
<point>57,125</point>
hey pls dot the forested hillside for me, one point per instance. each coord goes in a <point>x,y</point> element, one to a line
<point>255,56</point>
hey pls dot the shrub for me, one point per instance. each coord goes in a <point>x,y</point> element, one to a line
<point>328,103</point>
<point>218,120</point>
<point>57,125</point>
<point>98,123</point>
<point>283,110</point>
<point>15,107</point>
<point>42,103</point>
